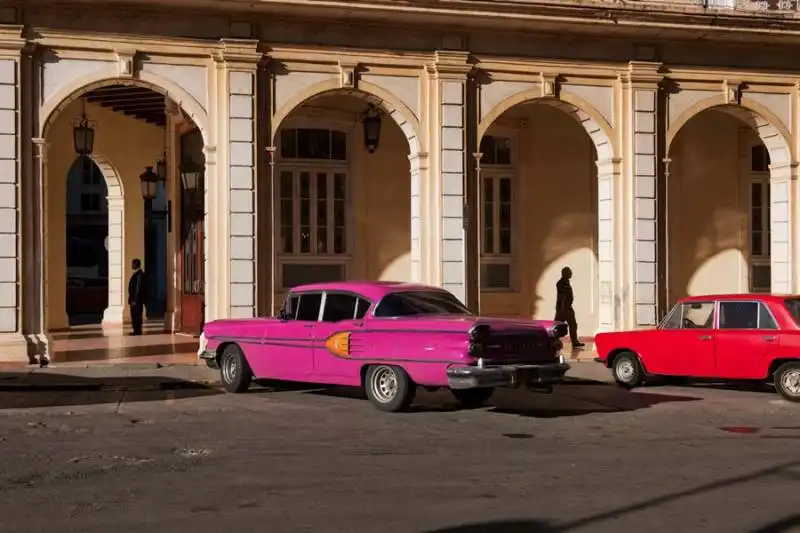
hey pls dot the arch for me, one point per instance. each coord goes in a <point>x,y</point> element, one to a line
<point>390,104</point>
<point>116,240</point>
<point>577,108</point>
<point>405,119</point>
<point>50,109</point>
<point>770,129</point>
<point>608,171</point>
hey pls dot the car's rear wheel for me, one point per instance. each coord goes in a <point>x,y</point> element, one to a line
<point>234,371</point>
<point>627,370</point>
<point>472,398</point>
<point>389,388</point>
<point>787,381</point>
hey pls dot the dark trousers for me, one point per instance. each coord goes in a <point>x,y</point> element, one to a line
<point>137,311</point>
<point>568,316</point>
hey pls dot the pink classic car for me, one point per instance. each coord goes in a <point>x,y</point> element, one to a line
<point>389,338</point>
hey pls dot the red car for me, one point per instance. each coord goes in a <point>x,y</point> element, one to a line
<point>724,337</point>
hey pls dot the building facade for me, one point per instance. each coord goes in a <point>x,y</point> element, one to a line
<point>651,147</point>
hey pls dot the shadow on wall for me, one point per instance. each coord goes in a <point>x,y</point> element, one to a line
<point>558,213</point>
<point>708,206</point>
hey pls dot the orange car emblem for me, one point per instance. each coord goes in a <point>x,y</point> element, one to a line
<point>339,344</point>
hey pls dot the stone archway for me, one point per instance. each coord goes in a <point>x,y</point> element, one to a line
<point>782,170</point>
<point>407,122</point>
<point>113,314</point>
<point>608,170</point>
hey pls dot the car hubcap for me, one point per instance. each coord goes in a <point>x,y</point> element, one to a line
<point>625,371</point>
<point>791,382</point>
<point>384,384</point>
<point>229,369</point>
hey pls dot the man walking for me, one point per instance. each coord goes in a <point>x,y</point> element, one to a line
<point>137,292</point>
<point>564,310</point>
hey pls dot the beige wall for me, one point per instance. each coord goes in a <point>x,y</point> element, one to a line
<point>556,223</point>
<point>129,145</point>
<point>709,206</point>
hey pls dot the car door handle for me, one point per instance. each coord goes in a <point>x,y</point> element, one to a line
<point>768,338</point>
<point>705,337</point>
<point>308,325</point>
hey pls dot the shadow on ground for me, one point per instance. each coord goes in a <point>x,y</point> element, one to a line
<point>511,526</point>
<point>573,398</point>
<point>30,390</point>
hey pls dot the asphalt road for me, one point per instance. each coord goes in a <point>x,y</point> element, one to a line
<point>137,456</point>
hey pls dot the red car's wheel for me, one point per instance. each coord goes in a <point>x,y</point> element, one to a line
<point>787,381</point>
<point>627,370</point>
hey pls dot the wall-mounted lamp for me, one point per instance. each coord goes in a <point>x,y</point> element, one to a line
<point>372,128</point>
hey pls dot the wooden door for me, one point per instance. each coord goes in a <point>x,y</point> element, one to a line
<point>192,267</point>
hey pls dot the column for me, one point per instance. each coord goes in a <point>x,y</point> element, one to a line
<point>609,310</point>
<point>114,314</point>
<point>240,60</point>
<point>451,85</point>
<point>783,185</point>
<point>643,85</point>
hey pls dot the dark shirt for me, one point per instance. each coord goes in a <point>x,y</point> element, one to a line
<point>137,288</point>
<point>564,295</point>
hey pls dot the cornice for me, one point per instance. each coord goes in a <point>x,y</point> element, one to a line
<point>100,42</point>
<point>238,53</point>
<point>531,67</point>
<point>12,38</point>
<point>334,56</point>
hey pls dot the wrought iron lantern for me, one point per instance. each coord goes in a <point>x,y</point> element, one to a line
<point>191,174</point>
<point>372,129</point>
<point>83,136</point>
<point>149,181</point>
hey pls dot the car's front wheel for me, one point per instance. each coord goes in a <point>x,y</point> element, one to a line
<point>234,371</point>
<point>627,370</point>
<point>472,398</point>
<point>389,388</point>
<point>787,381</point>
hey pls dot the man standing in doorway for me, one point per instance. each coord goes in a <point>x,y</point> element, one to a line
<point>564,310</point>
<point>137,292</point>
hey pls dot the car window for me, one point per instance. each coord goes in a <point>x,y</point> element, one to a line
<point>765,318</point>
<point>362,307</point>
<point>289,309</point>
<point>339,307</point>
<point>738,315</point>
<point>697,315</point>
<point>410,303</point>
<point>673,319</point>
<point>793,306</point>
<point>308,307</point>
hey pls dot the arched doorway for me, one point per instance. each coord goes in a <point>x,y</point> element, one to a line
<point>134,149</point>
<point>546,174</point>
<point>723,165</point>
<point>347,190</point>
<point>87,243</point>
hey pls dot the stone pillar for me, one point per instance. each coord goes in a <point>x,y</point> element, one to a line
<point>240,65</point>
<point>13,345</point>
<point>418,168</point>
<point>608,260</point>
<point>113,316</point>
<point>783,189</point>
<point>642,88</point>
<point>450,88</point>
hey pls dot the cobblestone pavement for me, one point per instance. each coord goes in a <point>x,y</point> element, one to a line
<point>159,449</point>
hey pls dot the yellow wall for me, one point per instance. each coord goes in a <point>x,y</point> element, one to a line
<point>556,219</point>
<point>709,206</point>
<point>129,145</point>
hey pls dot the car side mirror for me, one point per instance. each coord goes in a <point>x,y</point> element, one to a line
<point>284,315</point>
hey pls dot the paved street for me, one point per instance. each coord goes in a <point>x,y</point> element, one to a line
<point>157,449</point>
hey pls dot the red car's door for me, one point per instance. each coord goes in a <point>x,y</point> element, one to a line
<point>747,336</point>
<point>684,345</point>
<point>287,347</point>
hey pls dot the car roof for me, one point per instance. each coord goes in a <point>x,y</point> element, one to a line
<point>374,290</point>
<point>764,297</point>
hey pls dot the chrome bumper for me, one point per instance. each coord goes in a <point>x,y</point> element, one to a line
<point>471,377</point>
<point>204,354</point>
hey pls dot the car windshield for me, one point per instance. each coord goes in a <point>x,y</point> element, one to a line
<point>409,303</point>
<point>793,305</point>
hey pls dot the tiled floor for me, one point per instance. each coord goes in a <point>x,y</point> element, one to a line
<point>91,344</point>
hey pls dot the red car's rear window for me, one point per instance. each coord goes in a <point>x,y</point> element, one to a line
<point>793,305</point>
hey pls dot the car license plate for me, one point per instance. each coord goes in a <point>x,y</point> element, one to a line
<point>524,375</point>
